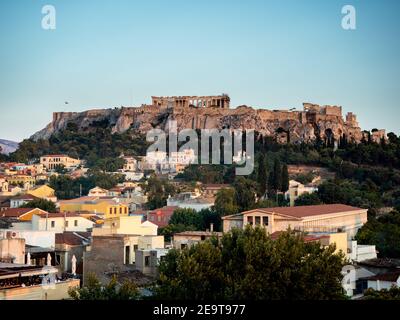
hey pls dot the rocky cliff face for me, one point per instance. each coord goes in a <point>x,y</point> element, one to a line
<point>295,126</point>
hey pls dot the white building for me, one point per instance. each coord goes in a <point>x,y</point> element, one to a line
<point>296,189</point>
<point>350,282</point>
<point>127,225</point>
<point>131,164</point>
<point>98,192</point>
<point>163,162</point>
<point>44,239</point>
<point>61,222</point>
<point>21,200</point>
<point>156,157</point>
<point>184,157</point>
<point>360,252</point>
<point>384,281</point>
<point>187,201</point>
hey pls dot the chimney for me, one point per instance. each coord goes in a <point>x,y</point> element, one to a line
<point>212,227</point>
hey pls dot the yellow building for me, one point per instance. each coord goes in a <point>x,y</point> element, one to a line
<point>108,207</point>
<point>3,185</point>
<point>43,192</point>
<point>54,161</point>
<point>21,214</point>
<point>21,179</point>
<point>128,225</point>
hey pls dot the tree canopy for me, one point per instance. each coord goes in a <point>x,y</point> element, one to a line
<point>94,290</point>
<point>43,204</point>
<point>249,265</point>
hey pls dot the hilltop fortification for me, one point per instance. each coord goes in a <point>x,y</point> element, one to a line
<point>209,112</point>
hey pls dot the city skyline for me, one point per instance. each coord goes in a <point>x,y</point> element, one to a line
<point>267,54</point>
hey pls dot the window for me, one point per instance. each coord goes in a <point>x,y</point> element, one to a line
<point>75,223</point>
<point>147,261</point>
<point>159,218</point>
<point>53,224</point>
<point>120,210</point>
<point>110,210</point>
<point>126,210</point>
<point>265,221</point>
<point>66,224</point>
<point>203,238</point>
<point>258,220</point>
<point>250,220</point>
<point>115,210</point>
<point>127,254</point>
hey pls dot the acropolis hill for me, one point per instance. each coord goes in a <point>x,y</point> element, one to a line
<point>214,112</point>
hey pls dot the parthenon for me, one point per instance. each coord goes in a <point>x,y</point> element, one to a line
<point>221,101</point>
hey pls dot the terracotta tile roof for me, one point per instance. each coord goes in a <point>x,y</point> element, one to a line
<point>306,238</point>
<point>24,197</point>
<point>15,212</point>
<point>306,211</point>
<point>54,155</point>
<point>381,263</point>
<point>59,215</point>
<point>389,276</point>
<point>81,199</point>
<point>72,238</point>
<point>164,210</point>
<point>198,233</point>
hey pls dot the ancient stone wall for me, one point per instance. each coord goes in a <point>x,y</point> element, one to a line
<point>324,121</point>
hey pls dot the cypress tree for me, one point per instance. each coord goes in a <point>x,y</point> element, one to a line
<point>285,178</point>
<point>277,176</point>
<point>262,176</point>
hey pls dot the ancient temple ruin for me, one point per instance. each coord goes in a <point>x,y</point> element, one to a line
<point>221,101</point>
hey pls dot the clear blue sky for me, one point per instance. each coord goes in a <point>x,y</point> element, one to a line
<point>269,54</point>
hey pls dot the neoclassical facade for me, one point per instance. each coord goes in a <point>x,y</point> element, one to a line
<point>319,218</point>
<point>221,101</point>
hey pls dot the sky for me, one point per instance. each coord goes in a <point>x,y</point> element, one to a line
<point>267,54</point>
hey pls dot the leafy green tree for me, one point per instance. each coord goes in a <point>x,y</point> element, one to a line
<point>285,178</point>
<point>225,202</point>
<point>245,193</point>
<point>60,169</point>
<point>307,199</point>
<point>109,164</point>
<point>92,144</point>
<point>187,217</point>
<point>262,175</point>
<point>384,232</point>
<point>169,230</point>
<point>249,265</point>
<point>67,188</point>
<point>94,290</point>
<point>266,203</point>
<point>275,177</point>
<point>384,294</point>
<point>157,192</point>
<point>43,204</point>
